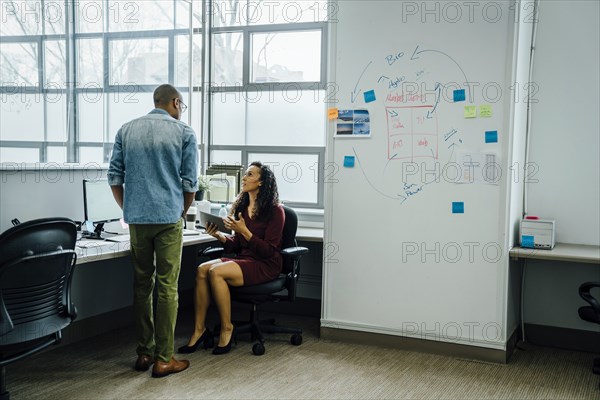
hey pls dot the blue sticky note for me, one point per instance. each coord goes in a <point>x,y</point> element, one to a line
<point>459,95</point>
<point>491,136</point>
<point>458,207</point>
<point>349,161</point>
<point>527,241</point>
<point>370,96</point>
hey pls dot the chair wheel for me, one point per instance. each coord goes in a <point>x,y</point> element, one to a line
<point>296,339</point>
<point>258,349</point>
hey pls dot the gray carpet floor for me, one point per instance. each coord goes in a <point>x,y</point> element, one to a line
<point>102,368</point>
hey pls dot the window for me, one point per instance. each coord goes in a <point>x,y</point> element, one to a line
<point>267,91</point>
<point>64,96</point>
<point>72,72</point>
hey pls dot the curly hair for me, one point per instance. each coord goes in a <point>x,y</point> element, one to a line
<point>267,198</point>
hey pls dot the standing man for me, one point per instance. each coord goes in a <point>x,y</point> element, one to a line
<point>153,176</point>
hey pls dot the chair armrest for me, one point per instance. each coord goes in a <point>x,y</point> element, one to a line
<point>71,308</point>
<point>212,252</point>
<point>294,252</point>
<point>584,292</point>
<point>6,324</point>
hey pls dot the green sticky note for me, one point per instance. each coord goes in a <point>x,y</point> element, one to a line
<point>470,111</point>
<point>485,110</point>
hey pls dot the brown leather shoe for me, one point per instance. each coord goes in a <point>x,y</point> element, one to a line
<point>162,368</point>
<point>143,362</point>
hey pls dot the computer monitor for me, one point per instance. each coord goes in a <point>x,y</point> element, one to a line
<point>99,206</point>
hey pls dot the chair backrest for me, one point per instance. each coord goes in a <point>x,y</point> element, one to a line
<point>288,238</point>
<point>37,236</point>
<point>35,278</point>
<point>589,313</point>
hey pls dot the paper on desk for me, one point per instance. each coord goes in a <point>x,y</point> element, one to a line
<point>90,243</point>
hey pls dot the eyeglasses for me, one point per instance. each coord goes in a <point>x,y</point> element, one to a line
<point>181,105</point>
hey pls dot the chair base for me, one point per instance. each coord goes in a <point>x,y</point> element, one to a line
<point>4,395</point>
<point>257,327</point>
<point>596,366</point>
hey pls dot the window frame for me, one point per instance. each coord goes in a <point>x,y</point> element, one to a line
<point>252,87</point>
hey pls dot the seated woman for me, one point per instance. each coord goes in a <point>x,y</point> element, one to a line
<point>258,227</point>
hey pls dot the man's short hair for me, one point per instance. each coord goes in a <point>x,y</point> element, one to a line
<point>164,94</point>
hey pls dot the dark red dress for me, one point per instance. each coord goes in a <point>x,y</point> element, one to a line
<point>259,258</point>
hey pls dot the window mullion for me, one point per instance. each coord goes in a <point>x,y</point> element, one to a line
<point>71,105</point>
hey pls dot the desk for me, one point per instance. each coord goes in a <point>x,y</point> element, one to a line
<point>96,250</point>
<point>561,252</point>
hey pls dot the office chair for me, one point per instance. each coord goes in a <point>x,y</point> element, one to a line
<point>256,295</point>
<point>35,281</point>
<point>590,313</point>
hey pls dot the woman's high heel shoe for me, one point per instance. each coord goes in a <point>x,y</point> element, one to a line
<point>206,339</point>
<point>225,349</point>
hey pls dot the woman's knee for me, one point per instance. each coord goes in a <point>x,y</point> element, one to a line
<point>202,270</point>
<point>226,271</point>
<point>214,273</point>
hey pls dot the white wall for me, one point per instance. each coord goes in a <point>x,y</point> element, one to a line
<point>565,147</point>
<point>39,192</point>
<point>565,128</point>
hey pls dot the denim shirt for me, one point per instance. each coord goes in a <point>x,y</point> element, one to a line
<point>155,157</point>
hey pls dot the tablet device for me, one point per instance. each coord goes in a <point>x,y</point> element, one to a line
<point>205,218</point>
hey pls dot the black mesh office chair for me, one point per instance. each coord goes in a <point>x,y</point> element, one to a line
<point>590,313</point>
<point>269,291</point>
<point>37,259</point>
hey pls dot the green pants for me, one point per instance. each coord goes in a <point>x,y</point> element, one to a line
<point>156,253</point>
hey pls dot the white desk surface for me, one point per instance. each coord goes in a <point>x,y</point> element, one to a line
<point>96,250</point>
<point>561,252</point>
<point>89,250</point>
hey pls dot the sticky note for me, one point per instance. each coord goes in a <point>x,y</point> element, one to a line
<point>491,136</point>
<point>527,241</point>
<point>349,161</point>
<point>370,96</point>
<point>470,111</point>
<point>459,95</point>
<point>485,111</point>
<point>458,207</point>
<point>332,113</point>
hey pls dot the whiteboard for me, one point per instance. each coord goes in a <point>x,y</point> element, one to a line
<point>398,260</point>
<point>564,151</point>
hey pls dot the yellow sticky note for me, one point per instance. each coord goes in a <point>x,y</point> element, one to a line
<point>485,110</point>
<point>470,111</point>
<point>332,113</point>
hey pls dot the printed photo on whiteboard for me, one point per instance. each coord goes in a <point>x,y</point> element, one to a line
<point>353,123</point>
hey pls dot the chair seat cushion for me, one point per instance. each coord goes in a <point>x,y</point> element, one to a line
<point>588,314</point>
<point>274,286</point>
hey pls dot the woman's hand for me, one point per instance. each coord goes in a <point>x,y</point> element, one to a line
<point>238,225</point>
<point>213,231</point>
